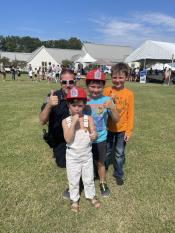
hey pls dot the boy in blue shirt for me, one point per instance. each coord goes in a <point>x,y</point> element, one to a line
<point>100,107</point>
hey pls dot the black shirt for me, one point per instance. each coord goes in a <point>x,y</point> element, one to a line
<point>57,114</point>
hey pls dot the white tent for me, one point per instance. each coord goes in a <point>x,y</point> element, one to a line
<point>86,59</point>
<point>153,50</point>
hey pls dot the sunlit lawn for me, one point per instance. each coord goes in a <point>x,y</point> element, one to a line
<point>32,185</point>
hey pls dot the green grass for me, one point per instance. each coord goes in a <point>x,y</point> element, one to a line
<point>31,184</point>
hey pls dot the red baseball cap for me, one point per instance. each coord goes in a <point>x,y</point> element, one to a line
<point>96,75</point>
<point>76,93</point>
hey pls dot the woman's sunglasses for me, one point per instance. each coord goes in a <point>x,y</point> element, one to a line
<point>68,82</point>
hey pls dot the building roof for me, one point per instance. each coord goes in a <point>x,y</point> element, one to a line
<point>57,54</point>
<point>111,53</point>
<point>64,54</point>
<point>153,50</point>
<point>12,56</point>
<point>34,53</point>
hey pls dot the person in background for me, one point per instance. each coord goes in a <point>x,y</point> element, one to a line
<point>3,71</point>
<point>49,73</point>
<point>39,74</point>
<point>18,72</point>
<point>35,75</point>
<point>43,71</point>
<point>30,72</point>
<point>58,72</point>
<point>13,71</point>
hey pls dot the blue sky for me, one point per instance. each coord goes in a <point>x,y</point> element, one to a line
<point>109,22</point>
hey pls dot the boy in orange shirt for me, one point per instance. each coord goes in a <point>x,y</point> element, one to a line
<point>119,133</point>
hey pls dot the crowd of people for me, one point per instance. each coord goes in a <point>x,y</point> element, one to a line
<point>52,72</point>
<point>83,130</point>
<point>15,72</point>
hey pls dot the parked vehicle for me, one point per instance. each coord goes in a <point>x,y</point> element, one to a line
<point>7,69</point>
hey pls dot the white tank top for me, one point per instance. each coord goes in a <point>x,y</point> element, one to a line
<point>81,145</point>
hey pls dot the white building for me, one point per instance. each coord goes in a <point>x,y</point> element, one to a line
<point>41,57</point>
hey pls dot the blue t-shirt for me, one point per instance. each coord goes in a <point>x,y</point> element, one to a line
<point>100,116</point>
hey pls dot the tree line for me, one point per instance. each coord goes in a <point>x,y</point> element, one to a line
<point>28,44</point>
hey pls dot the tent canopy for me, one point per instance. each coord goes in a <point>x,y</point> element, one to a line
<point>86,59</point>
<point>153,50</point>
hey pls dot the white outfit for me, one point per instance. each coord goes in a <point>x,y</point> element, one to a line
<point>30,73</point>
<point>79,162</point>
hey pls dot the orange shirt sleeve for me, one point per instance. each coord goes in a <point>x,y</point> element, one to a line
<point>106,91</point>
<point>130,123</point>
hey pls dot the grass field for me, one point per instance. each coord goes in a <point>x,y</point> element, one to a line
<point>32,185</point>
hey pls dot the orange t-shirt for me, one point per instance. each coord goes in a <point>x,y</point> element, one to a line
<point>124,101</point>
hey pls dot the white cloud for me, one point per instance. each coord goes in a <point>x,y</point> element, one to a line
<point>159,19</point>
<point>136,28</point>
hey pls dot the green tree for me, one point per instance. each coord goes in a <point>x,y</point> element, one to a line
<point>62,44</point>
<point>66,63</point>
<point>16,63</point>
<point>5,61</point>
<point>48,44</point>
<point>74,43</point>
<point>2,41</point>
<point>28,44</point>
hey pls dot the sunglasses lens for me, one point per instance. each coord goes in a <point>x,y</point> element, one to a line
<point>67,82</point>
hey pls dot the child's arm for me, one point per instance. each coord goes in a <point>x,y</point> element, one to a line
<point>113,111</point>
<point>93,133</point>
<point>130,124</point>
<point>69,133</point>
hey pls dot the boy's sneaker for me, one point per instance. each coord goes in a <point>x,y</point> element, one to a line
<point>119,181</point>
<point>66,194</point>
<point>104,190</point>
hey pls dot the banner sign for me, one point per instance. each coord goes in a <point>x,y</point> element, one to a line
<point>143,76</point>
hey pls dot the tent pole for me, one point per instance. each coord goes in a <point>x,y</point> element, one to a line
<point>144,64</point>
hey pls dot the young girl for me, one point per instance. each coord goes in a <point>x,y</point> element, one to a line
<point>79,131</point>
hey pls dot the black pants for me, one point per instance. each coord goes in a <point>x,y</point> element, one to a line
<point>59,153</point>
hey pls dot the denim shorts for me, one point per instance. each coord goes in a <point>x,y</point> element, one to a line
<point>99,151</point>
